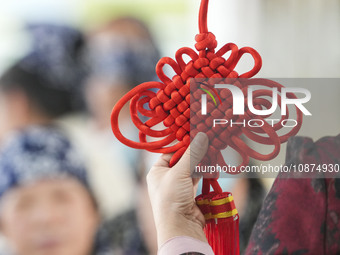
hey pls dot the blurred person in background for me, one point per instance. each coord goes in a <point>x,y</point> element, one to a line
<point>43,85</point>
<point>47,205</point>
<point>120,54</point>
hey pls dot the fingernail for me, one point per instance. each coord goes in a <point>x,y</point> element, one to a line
<point>200,139</point>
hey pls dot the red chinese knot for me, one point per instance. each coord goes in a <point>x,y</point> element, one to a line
<point>171,105</point>
<point>176,108</point>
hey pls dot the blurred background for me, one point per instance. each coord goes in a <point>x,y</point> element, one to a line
<point>91,52</point>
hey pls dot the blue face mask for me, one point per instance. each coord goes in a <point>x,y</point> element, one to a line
<point>119,59</point>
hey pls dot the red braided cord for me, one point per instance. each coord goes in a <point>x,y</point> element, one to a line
<point>171,105</point>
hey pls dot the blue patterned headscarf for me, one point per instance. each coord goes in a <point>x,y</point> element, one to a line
<point>38,153</point>
<point>56,54</point>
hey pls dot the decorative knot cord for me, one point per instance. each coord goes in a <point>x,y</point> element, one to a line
<point>170,105</point>
<point>179,116</point>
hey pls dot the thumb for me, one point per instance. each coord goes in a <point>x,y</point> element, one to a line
<point>193,155</point>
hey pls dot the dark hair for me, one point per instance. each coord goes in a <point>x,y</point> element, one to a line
<point>41,93</point>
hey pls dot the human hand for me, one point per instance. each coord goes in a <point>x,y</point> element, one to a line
<point>172,194</point>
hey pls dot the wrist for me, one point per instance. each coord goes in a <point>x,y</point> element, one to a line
<point>172,225</point>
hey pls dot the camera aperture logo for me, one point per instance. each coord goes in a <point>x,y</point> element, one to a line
<point>204,97</point>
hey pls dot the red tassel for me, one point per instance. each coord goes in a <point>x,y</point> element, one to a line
<point>222,222</point>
